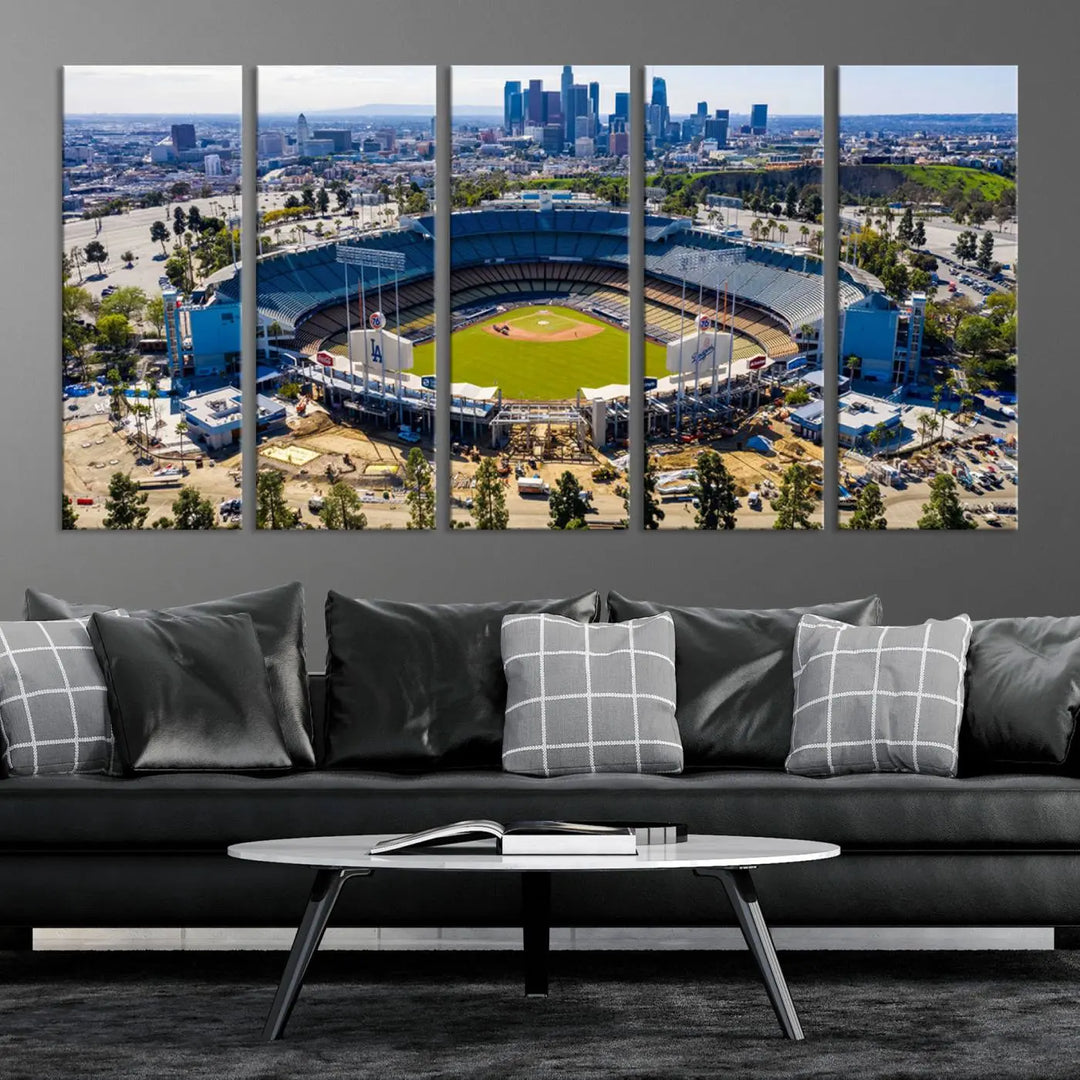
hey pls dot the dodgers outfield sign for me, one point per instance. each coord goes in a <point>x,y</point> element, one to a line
<point>380,352</point>
<point>698,351</point>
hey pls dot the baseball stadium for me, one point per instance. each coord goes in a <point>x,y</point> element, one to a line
<point>540,307</point>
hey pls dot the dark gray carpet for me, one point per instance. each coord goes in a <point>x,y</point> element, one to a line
<point>165,1015</point>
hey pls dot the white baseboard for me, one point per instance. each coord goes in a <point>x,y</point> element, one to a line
<point>400,939</point>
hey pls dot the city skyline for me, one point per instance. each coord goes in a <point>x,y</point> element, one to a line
<point>957,89</point>
<point>152,89</point>
<point>482,85</point>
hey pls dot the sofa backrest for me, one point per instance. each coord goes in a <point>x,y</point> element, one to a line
<point>317,687</point>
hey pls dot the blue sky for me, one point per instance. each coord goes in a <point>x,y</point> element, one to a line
<point>897,89</point>
<point>153,88</point>
<point>787,89</point>
<point>295,89</point>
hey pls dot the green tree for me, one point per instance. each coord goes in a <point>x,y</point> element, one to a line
<point>342,197</point>
<point>155,313</point>
<point>95,252</point>
<point>566,505</point>
<point>68,514</point>
<point>798,395</point>
<point>420,490</point>
<point>791,201</point>
<point>115,331</point>
<point>159,233</point>
<point>944,510</point>
<point>918,235</point>
<point>125,508</point>
<point>985,258</point>
<point>179,223</point>
<point>180,190</point>
<point>965,246</point>
<point>906,229</point>
<point>489,497</point>
<point>195,220</point>
<point>192,511</point>
<point>976,334</point>
<point>322,200</point>
<point>653,511</point>
<point>271,509</point>
<point>341,508</point>
<point>795,501</point>
<point>715,493</point>
<point>128,300</point>
<point>176,269</point>
<point>128,258</point>
<point>869,510</point>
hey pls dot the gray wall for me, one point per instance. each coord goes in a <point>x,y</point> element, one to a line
<point>1032,571</point>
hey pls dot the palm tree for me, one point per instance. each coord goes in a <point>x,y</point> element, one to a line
<point>181,430</point>
<point>783,230</point>
<point>771,226</point>
<point>804,232</point>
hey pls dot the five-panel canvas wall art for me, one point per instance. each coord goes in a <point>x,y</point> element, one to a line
<point>716,260</point>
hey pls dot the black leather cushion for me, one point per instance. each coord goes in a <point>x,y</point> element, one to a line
<point>733,676</point>
<point>278,616</point>
<point>1023,694</point>
<point>895,811</point>
<point>421,686</point>
<point>189,693</point>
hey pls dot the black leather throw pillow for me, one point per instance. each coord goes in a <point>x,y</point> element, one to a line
<point>733,676</point>
<point>188,693</point>
<point>414,687</point>
<point>278,616</point>
<point>1022,694</point>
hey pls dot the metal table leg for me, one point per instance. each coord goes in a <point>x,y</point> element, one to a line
<point>324,894</point>
<point>536,930</point>
<point>739,886</point>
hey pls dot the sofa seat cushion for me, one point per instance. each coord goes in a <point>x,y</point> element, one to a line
<point>202,811</point>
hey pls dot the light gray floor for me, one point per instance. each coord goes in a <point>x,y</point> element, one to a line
<point>562,938</point>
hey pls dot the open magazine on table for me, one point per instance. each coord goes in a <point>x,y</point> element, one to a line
<point>540,837</point>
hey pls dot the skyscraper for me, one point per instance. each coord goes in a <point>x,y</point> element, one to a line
<point>759,119</point>
<point>510,88</point>
<point>536,102</point>
<point>702,109</point>
<point>594,103</point>
<point>183,137</point>
<point>659,92</point>
<point>579,107</point>
<point>564,92</point>
<point>717,127</point>
<point>302,134</point>
<point>553,107</point>
<point>622,106</point>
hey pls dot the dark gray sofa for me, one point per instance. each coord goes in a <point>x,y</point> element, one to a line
<point>918,850</point>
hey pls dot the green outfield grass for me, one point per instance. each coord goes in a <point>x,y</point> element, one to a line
<point>540,370</point>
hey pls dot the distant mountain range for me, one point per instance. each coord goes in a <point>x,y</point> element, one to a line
<point>936,123</point>
<point>366,110</point>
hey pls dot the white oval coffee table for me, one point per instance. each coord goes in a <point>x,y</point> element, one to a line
<point>729,859</point>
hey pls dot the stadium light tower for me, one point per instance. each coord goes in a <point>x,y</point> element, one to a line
<point>356,255</point>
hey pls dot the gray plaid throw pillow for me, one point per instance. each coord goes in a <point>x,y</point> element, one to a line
<point>878,698</point>
<point>54,714</point>
<point>589,698</point>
